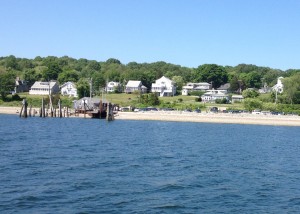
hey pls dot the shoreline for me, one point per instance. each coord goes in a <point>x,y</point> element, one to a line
<point>178,116</point>
<point>221,118</point>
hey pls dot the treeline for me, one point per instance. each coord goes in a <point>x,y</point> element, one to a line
<point>80,71</point>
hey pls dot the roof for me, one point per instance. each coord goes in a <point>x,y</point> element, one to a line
<point>237,97</point>
<point>133,83</point>
<point>224,87</point>
<point>39,84</point>
<point>113,83</point>
<point>68,83</point>
<point>164,78</point>
<point>90,102</point>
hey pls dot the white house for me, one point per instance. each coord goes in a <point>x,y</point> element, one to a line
<point>279,86</point>
<point>164,87</point>
<point>202,86</point>
<point>43,88</point>
<point>69,89</point>
<point>213,95</point>
<point>265,89</point>
<point>133,86</point>
<point>113,86</point>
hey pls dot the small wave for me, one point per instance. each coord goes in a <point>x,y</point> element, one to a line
<point>170,187</point>
<point>294,202</point>
<point>170,206</point>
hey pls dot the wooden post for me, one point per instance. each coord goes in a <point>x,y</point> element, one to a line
<point>84,107</point>
<point>59,109</point>
<point>25,104</point>
<point>51,112</point>
<point>100,109</point>
<point>30,111</point>
<point>43,108</point>
<point>109,113</point>
<point>21,110</point>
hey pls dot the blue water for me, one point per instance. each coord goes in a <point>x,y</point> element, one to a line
<point>68,165</point>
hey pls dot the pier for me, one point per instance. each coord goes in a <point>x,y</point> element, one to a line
<point>85,107</point>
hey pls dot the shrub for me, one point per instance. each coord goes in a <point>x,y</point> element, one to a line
<point>198,99</point>
<point>250,104</point>
<point>196,93</point>
<point>222,101</point>
<point>16,97</point>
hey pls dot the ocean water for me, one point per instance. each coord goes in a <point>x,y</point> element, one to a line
<point>69,165</point>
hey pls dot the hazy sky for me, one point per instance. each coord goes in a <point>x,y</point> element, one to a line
<point>184,32</point>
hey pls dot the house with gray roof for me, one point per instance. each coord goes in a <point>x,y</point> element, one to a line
<point>133,86</point>
<point>201,86</point>
<point>44,88</point>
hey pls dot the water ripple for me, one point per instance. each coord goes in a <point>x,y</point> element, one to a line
<point>72,165</point>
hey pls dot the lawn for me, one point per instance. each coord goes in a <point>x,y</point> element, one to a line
<point>179,102</point>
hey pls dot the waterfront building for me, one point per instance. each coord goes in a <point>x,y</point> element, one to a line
<point>135,86</point>
<point>164,87</point>
<point>201,86</point>
<point>69,89</point>
<point>44,88</point>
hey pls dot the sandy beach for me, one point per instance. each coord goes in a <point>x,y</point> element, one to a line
<point>275,120</point>
<point>10,110</point>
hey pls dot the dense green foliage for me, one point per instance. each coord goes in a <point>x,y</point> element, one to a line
<point>249,93</point>
<point>7,83</point>
<point>210,73</point>
<point>150,99</point>
<point>81,71</point>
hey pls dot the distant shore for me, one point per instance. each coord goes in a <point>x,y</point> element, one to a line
<point>178,116</point>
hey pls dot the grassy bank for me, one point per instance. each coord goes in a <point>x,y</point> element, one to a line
<point>34,100</point>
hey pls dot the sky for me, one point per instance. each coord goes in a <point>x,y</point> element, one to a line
<point>182,32</point>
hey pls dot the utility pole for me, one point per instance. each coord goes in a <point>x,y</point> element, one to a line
<point>91,87</point>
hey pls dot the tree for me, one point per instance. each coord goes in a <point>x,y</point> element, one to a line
<point>113,61</point>
<point>98,81</point>
<point>211,73</point>
<point>83,87</point>
<point>179,82</point>
<point>94,65</point>
<point>250,104</point>
<point>248,93</point>
<point>11,62</point>
<point>7,84</point>
<point>235,84</point>
<point>30,76</point>
<point>52,72</point>
<point>291,87</point>
<point>254,80</point>
<point>149,99</point>
<point>69,75</point>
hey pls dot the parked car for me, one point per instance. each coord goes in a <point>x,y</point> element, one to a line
<point>256,111</point>
<point>167,109</point>
<point>197,111</point>
<point>214,109</point>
